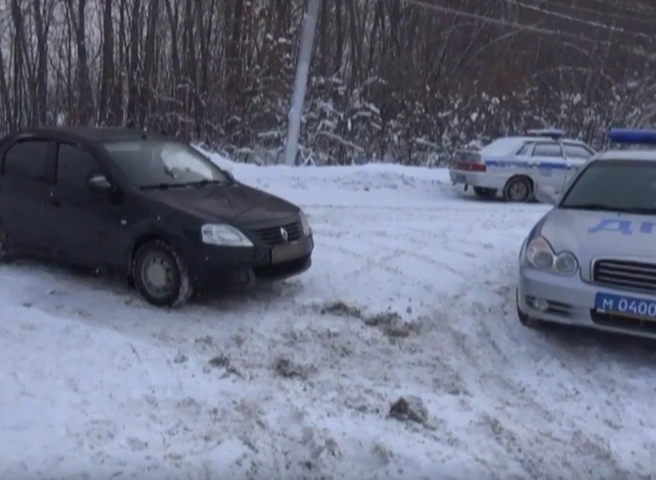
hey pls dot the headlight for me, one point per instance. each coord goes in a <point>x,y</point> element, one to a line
<point>541,256</point>
<point>307,230</point>
<point>224,235</point>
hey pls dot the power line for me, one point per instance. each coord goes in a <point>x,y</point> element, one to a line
<point>613,15</point>
<point>524,27</point>
<point>570,18</point>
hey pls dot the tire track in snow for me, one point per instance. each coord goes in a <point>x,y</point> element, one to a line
<point>503,399</point>
<point>501,377</point>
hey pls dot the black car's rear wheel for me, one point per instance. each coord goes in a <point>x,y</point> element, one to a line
<point>160,275</point>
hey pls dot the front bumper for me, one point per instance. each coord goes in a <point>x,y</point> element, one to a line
<point>213,267</point>
<point>478,179</point>
<point>570,301</point>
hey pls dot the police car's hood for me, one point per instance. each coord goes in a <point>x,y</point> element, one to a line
<point>599,234</point>
<point>235,203</point>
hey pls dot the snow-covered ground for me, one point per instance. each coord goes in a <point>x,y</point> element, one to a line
<point>411,294</point>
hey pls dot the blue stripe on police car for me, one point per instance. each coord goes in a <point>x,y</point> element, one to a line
<point>625,227</point>
<point>515,163</point>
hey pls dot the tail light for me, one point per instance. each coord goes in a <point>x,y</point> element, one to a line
<point>468,161</point>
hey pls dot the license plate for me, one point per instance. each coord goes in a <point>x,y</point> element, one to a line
<point>459,178</point>
<point>289,251</point>
<point>628,306</point>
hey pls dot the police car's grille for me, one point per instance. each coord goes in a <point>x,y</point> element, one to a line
<point>274,235</point>
<point>625,274</point>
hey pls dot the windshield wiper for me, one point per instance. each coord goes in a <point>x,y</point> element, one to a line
<point>166,186</point>
<point>161,186</point>
<point>592,207</point>
<point>638,210</point>
<point>601,207</point>
<point>202,183</point>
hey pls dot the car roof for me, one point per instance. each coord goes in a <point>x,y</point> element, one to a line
<point>509,145</point>
<point>528,138</point>
<point>99,134</point>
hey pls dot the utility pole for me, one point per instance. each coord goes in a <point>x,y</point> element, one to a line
<point>300,83</point>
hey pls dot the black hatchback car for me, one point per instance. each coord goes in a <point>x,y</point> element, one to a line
<point>147,204</point>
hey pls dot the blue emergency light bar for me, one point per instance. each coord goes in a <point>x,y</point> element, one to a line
<point>552,133</point>
<point>630,135</point>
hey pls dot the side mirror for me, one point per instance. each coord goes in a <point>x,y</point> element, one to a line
<point>99,183</point>
<point>546,195</point>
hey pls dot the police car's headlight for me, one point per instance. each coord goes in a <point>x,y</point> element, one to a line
<point>541,256</point>
<point>566,263</point>
<point>307,230</point>
<point>224,235</point>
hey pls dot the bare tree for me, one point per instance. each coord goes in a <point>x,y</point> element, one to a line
<point>408,80</point>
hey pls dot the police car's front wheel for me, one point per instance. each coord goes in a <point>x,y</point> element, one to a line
<point>524,319</point>
<point>517,189</point>
<point>4,245</point>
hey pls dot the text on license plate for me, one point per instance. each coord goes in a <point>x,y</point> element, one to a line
<point>630,306</point>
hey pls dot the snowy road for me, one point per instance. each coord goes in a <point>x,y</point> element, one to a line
<point>411,293</point>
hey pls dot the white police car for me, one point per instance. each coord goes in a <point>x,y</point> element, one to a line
<point>513,165</point>
<point>591,260</point>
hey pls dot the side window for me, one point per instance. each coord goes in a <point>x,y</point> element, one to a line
<point>526,149</point>
<point>577,151</point>
<point>548,150</point>
<point>27,159</point>
<point>74,166</point>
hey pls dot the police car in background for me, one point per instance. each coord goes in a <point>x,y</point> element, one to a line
<point>591,260</point>
<point>513,165</point>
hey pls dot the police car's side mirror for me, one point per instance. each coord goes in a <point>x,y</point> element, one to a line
<point>546,195</point>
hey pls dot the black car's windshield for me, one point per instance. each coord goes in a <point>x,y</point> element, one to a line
<point>614,185</point>
<point>162,164</point>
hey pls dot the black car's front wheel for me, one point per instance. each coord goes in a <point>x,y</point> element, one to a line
<point>160,275</point>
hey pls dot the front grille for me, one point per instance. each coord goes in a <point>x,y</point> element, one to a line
<point>274,235</point>
<point>625,274</point>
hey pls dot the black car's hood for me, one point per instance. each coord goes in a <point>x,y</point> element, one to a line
<point>235,203</point>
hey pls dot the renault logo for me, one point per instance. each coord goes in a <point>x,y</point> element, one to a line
<point>284,234</point>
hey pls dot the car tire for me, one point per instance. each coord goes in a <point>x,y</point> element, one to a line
<point>4,248</point>
<point>517,190</point>
<point>161,276</point>
<point>487,193</point>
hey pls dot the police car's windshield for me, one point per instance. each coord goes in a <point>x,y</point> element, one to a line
<point>163,164</point>
<point>614,185</point>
